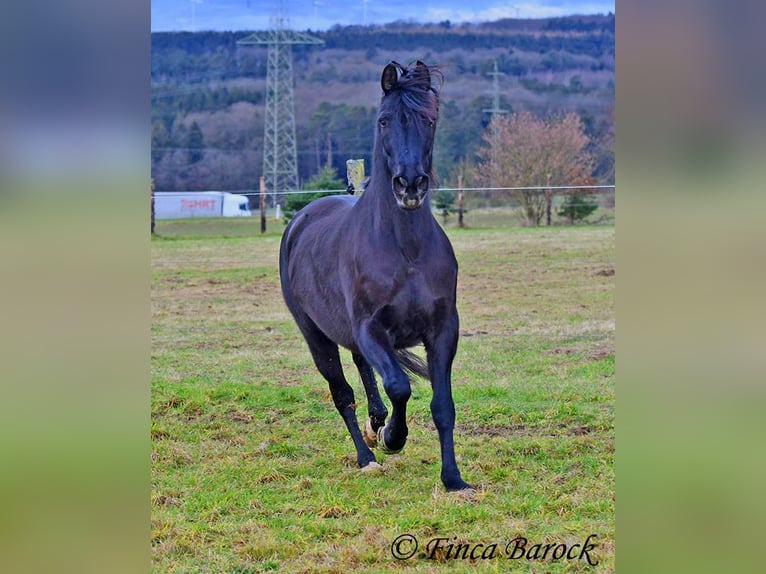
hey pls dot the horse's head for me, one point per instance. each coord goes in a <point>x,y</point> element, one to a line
<point>406,129</point>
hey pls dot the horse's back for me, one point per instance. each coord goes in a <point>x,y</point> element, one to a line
<point>318,218</point>
<point>330,205</point>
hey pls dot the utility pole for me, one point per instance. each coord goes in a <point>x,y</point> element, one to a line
<point>280,156</point>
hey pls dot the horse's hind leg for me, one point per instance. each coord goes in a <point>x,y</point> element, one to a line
<point>376,410</point>
<point>327,360</point>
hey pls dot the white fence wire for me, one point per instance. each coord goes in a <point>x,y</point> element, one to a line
<point>458,189</point>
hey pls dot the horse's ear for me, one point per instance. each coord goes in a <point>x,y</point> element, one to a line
<point>389,78</point>
<point>424,71</point>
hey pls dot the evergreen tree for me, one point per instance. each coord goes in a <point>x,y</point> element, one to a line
<point>160,140</point>
<point>577,207</point>
<point>443,202</point>
<point>195,143</point>
<point>326,179</point>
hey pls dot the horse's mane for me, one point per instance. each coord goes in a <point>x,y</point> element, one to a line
<point>416,87</point>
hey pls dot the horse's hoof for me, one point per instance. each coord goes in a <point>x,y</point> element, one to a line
<point>469,492</point>
<point>370,438</point>
<point>372,467</point>
<point>383,446</point>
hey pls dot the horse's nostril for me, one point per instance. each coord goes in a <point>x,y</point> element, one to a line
<point>400,184</point>
<point>421,183</point>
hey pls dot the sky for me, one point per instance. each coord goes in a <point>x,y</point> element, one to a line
<point>222,15</point>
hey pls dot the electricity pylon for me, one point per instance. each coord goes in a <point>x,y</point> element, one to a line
<point>494,112</point>
<point>280,163</point>
<point>495,109</point>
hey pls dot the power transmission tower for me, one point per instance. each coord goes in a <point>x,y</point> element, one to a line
<point>495,109</point>
<point>280,163</point>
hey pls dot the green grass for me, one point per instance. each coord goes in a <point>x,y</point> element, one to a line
<point>503,217</point>
<point>253,470</point>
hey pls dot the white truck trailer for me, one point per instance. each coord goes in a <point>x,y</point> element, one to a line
<point>177,204</point>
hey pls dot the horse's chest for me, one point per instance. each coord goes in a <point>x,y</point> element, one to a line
<point>413,289</point>
<point>415,296</point>
<point>406,300</point>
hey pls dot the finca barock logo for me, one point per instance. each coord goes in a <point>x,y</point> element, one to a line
<point>405,546</point>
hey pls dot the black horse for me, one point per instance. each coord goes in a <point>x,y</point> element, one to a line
<point>377,275</point>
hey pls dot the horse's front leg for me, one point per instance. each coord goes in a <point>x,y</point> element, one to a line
<point>375,346</point>
<point>376,410</point>
<point>441,351</point>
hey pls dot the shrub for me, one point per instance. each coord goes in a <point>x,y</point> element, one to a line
<point>577,207</point>
<point>326,179</point>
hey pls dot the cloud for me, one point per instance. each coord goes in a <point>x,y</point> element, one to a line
<point>519,10</point>
<point>306,14</point>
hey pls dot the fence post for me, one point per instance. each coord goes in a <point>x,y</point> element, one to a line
<point>152,206</point>
<point>548,201</point>
<point>263,204</point>
<point>460,201</point>
<point>355,175</point>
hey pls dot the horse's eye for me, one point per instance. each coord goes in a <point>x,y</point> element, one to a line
<point>383,123</point>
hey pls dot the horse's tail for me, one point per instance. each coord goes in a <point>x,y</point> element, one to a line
<point>411,363</point>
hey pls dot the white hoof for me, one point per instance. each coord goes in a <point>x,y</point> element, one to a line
<point>370,438</point>
<point>468,494</point>
<point>372,467</point>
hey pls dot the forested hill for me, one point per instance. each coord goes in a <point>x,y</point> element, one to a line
<point>208,94</point>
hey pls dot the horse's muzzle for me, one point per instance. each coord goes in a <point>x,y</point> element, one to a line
<point>410,196</point>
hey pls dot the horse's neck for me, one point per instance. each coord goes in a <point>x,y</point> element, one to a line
<point>410,230</point>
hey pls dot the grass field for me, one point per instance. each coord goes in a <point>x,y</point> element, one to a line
<point>254,471</point>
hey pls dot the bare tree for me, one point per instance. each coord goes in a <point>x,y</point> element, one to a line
<point>522,150</point>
